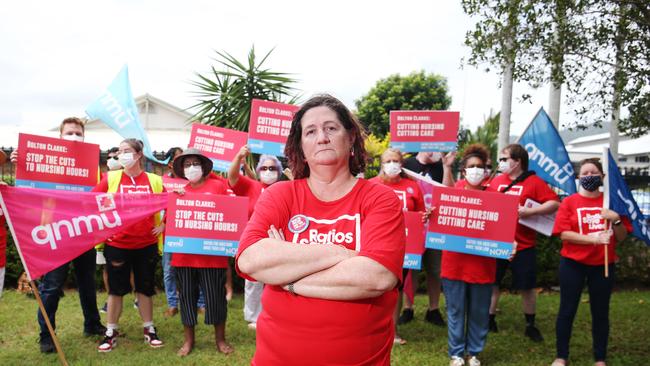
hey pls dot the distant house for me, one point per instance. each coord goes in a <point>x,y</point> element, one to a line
<point>633,154</point>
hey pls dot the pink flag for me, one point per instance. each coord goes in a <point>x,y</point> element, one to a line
<point>51,227</point>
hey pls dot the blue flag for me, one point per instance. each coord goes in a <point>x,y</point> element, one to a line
<point>116,107</point>
<point>547,155</point>
<point>621,201</point>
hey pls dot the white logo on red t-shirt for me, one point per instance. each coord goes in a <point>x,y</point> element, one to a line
<point>402,197</point>
<point>134,189</point>
<point>590,220</point>
<point>298,224</point>
<point>514,190</point>
<point>344,230</point>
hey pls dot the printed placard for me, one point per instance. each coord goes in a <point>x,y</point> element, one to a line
<point>472,221</point>
<point>173,184</point>
<point>414,240</point>
<point>269,126</point>
<point>207,224</point>
<point>51,163</point>
<point>414,131</point>
<point>219,144</point>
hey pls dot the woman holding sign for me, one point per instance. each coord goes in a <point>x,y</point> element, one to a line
<point>584,227</point>
<point>196,271</point>
<point>328,246</point>
<point>410,196</point>
<point>467,279</point>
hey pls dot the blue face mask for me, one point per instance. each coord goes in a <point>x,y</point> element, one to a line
<point>591,182</point>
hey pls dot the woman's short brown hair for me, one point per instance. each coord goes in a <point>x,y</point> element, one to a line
<point>517,152</point>
<point>475,151</point>
<point>595,161</point>
<point>293,149</point>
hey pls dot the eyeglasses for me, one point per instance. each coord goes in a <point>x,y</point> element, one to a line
<point>113,157</point>
<point>504,159</point>
<point>189,164</point>
<point>489,166</point>
<point>269,168</point>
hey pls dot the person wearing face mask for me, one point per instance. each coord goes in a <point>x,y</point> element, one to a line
<point>584,227</point>
<point>196,272</point>
<point>410,196</point>
<point>268,170</point>
<point>515,179</point>
<point>467,279</point>
<point>439,168</point>
<point>51,285</point>
<point>134,249</point>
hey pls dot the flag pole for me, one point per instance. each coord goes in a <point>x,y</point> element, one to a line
<point>606,203</point>
<point>59,350</point>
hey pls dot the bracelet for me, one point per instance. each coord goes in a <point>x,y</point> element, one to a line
<point>290,289</point>
<point>617,222</point>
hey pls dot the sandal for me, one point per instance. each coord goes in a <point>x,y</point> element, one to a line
<point>399,340</point>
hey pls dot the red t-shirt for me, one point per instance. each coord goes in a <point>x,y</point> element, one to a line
<point>297,330</point>
<point>249,188</point>
<point>582,215</point>
<point>407,191</point>
<point>467,267</point>
<point>138,235</point>
<point>212,185</point>
<point>3,240</point>
<point>532,187</point>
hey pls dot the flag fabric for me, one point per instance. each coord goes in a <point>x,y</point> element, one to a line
<point>547,155</point>
<point>52,227</point>
<point>116,107</point>
<point>622,201</point>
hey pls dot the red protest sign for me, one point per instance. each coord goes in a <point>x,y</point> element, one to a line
<point>414,131</point>
<point>205,223</point>
<point>219,144</point>
<point>52,163</point>
<point>472,221</point>
<point>269,126</point>
<point>414,240</point>
<point>173,184</point>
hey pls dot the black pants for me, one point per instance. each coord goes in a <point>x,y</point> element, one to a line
<point>212,282</point>
<point>572,281</point>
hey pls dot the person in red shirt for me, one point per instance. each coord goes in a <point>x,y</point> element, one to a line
<point>410,196</point>
<point>268,170</point>
<point>467,279</point>
<point>195,271</point>
<point>328,246</point>
<point>587,230</point>
<point>133,250</point>
<point>517,180</point>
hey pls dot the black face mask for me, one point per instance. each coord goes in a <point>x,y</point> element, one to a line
<point>591,182</point>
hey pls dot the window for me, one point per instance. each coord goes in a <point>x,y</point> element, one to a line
<point>642,159</point>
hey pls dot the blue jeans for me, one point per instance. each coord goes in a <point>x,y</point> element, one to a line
<point>471,302</point>
<point>51,290</point>
<point>573,276</point>
<point>169,279</point>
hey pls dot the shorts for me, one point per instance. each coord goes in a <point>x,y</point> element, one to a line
<point>119,264</point>
<point>523,267</point>
<point>431,262</point>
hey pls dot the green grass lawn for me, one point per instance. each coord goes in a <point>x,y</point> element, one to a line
<point>427,345</point>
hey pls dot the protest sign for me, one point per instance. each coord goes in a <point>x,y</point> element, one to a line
<point>269,126</point>
<point>53,163</point>
<point>219,144</point>
<point>51,228</point>
<point>414,240</point>
<point>473,222</point>
<point>173,184</point>
<point>207,224</point>
<point>414,131</point>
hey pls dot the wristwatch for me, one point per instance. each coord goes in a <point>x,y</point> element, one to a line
<point>617,222</point>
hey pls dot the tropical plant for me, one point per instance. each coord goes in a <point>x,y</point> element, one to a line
<point>226,92</point>
<point>485,134</point>
<point>375,146</point>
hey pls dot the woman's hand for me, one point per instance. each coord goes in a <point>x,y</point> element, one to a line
<point>524,212</point>
<point>449,158</point>
<point>158,229</point>
<point>275,233</point>
<point>243,153</point>
<point>601,237</point>
<point>514,251</point>
<point>610,215</point>
<point>179,191</point>
<point>427,214</point>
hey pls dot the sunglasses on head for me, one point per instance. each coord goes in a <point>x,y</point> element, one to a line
<point>269,168</point>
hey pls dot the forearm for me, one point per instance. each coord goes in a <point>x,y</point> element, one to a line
<point>620,233</point>
<point>278,262</point>
<point>547,207</point>
<point>352,279</point>
<point>447,177</point>
<point>576,238</point>
<point>233,171</point>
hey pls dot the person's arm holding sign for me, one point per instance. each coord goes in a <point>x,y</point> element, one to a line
<point>233,172</point>
<point>547,207</point>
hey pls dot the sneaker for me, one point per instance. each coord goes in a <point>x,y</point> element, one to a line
<point>474,361</point>
<point>151,337</point>
<point>252,326</point>
<point>456,361</point>
<point>109,342</point>
<point>493,326</point>
<point>94,331</point>
<point>104,308</point>
<point>135,304</point>
<point>534,334</point>
<point>559,362</point>
<point>171,311</point>
<point>46,344</point>
<point>434,317</point>
<point>407,316</point>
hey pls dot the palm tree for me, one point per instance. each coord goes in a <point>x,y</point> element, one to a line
<point>225,95</point>
<point>487,134</point>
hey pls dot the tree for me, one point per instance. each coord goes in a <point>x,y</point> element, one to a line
<point>417,91</point>
<point>225,95</point>
<point>485,134</point>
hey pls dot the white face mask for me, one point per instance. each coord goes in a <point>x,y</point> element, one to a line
<point>504,167</point>
<point>392,169</point>
<point>73,138</point>
<point>474,176</point>
<point>268,177</point>
<point>113,164</point>
<point>193,173</point>
<point>126,160</point>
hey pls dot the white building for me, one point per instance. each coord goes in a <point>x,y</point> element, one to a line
<point>632,153</point>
